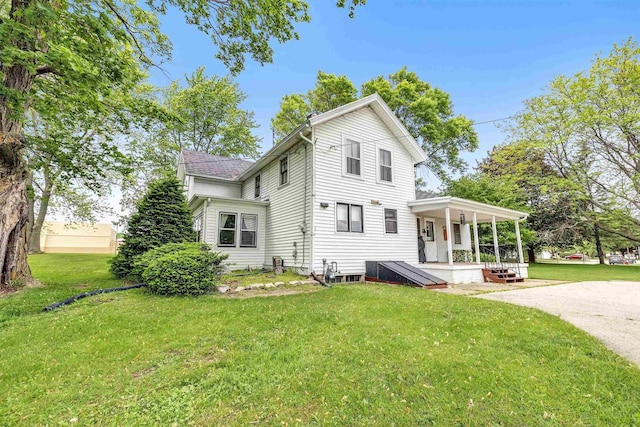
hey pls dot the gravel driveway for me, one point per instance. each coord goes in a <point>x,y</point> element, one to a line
<point>610,311</point>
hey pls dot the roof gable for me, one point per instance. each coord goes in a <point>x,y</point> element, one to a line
<point>385,114</point>
<point>209,165</point>
<point>374,101</point>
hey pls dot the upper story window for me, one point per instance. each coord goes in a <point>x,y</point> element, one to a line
<point>257,189</point>
<point>348,218</point>
<point>457,234</point>
<point>227,229</point>
<point>353,157</point>
<point>385,165</point>
<point>391,221</point>
<point>284,170</point>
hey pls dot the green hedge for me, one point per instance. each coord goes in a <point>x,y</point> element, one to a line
<point>141,262</point>
<point>186,272</point>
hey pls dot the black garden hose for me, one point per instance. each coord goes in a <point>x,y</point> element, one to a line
<point>91,293</point>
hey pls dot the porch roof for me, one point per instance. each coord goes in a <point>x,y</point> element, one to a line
<point>435,207</point>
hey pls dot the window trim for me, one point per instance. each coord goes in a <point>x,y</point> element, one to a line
<point>280,183</point>
<point>346,139</point>
<point>257,189</point>
<point>197,226</point>
<point>255,245</point>
<point>349,216</point>
<point>235,229</point>
<point>457,241</point>
<point>395,220</point>
<point>380,165</point>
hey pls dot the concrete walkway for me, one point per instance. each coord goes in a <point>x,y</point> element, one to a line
<point>610,311</point>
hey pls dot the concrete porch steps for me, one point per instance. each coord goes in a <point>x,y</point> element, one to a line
<point>500,275</point>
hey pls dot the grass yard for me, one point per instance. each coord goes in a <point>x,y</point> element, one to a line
<point>349,355</point>
<point>584,272</point>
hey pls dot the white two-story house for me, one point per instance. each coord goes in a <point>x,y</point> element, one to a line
<point>337,191</point>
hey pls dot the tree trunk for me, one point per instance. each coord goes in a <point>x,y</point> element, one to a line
<point>34,239</point>
<point>14,203</point>
<point>531,254</point>
<point>14,213</point>
<point>596,235</point>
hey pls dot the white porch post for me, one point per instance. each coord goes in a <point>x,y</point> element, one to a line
<point>475,237</point>
<point>519,241</point>
<point>496,248</point>
<point>447,218</point>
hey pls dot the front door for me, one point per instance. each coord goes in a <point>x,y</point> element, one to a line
<point>426,229</point>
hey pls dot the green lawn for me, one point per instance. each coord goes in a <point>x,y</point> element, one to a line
<point>582,272</point>
<point>348,355</point>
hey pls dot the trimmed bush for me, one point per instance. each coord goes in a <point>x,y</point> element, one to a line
<point>186,272</point>
<point>141,262</point>
<point>161,216</point>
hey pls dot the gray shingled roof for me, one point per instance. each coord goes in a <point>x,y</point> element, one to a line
<point>197,163</point>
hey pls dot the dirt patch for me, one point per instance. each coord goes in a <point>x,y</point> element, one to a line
<point>81,287</point>
<point>272,293</point>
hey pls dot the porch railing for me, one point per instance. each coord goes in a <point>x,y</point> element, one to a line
<point>508,257</point>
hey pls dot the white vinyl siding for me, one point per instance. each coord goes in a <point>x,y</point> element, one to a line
<point>208,187</point>
<point>333,186</point>
<point>239,257</point>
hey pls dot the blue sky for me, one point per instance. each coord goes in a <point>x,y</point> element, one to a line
<point>488,55</point>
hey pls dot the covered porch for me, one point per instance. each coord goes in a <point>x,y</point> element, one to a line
<point>448,235</point>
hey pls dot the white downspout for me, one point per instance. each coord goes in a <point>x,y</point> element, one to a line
<point>204,220</point>
<point>311,226</point>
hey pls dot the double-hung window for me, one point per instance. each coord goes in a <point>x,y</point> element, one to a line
<point>391,221</point>
<point>353,157</point>
<point>349,218</point>
<point>257,189</point>
<point>248,230</point>
<point>386,171</point>
<point>284,170</point>
<point>227,229</point>
<point>457,234</point>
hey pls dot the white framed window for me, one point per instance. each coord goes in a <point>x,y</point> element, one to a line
<point>248,230</point>
<point>349,218</point>
<point>391,221</point>
<point>257,186</point>
<point>352,150</point>
<point>284,170</point>
<point>197,227</point>
<point>227,229</point>
<point>457,234</point>
<point>385,165</point>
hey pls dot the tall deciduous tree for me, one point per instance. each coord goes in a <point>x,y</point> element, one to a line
<point>427,112</point>
<point>588,127</point>
<point>330,92</point>
<point>92,47</point>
